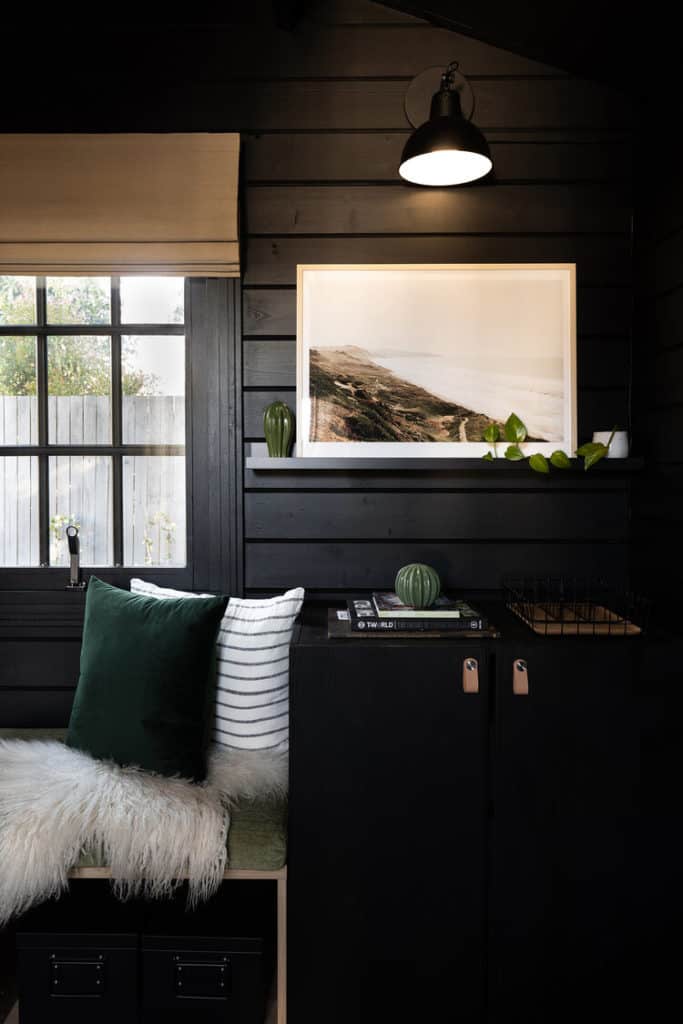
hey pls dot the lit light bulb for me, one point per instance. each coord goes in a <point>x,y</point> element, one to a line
<point>445,167</point>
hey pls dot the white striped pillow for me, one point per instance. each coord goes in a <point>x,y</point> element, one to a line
<point>252,662</point>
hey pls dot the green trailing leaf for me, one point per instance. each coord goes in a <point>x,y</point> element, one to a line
<point>560,460</point>
<point>598,453</point>
<point>592,452</point>
<point>514,453</point>
<point>515,431</point>
<point>589,448</point>
<point>539,463</point>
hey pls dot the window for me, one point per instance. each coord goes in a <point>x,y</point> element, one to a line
<point>92,420</point>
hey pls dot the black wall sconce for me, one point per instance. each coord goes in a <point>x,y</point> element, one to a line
<point>448,149</point>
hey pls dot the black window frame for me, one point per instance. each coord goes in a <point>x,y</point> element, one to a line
<point>34,604</point>
<point>47,577</point>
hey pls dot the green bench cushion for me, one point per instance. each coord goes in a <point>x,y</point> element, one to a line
<point>257,839</point>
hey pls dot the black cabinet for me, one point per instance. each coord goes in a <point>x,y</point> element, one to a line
<point>564,931</point>
<point>472,856</point>
<point>387,863</point>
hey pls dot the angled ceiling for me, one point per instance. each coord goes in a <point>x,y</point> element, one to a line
<point>592,38</point>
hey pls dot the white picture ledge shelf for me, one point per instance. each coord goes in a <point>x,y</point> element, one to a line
<point>263,463</point>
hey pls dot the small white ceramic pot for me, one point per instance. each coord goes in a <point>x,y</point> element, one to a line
<point>619,446</point>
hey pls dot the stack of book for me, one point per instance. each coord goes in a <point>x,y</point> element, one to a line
<point>385,611</point>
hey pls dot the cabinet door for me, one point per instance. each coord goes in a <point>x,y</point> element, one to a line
<point>566,767</point>
<point>387,834</point>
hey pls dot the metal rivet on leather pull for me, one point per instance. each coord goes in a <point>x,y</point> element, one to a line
<point>520,678</point>
<point>470,675</point>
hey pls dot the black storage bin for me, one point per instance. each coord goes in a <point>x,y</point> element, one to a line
<point>195,978</point>
<point>147,962</point>
<point>77,977</point>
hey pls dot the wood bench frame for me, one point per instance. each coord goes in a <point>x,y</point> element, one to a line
<point>276,1014</point>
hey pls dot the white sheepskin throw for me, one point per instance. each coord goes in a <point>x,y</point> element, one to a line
<point>153,832</point>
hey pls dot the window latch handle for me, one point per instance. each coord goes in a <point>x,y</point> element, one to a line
<point>75,581</point>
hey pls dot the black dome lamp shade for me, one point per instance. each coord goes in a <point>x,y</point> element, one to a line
<point>447,149</point>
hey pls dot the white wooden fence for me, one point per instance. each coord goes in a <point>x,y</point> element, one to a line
<point>80,486</point>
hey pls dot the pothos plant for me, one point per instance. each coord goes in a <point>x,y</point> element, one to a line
<point>515,433</point>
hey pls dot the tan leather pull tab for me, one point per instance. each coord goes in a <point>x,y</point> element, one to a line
<point>520,678</point>
<point>470,675</point>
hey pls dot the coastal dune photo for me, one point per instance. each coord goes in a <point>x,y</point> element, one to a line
<point>426,356</point>
<point>357,398</point>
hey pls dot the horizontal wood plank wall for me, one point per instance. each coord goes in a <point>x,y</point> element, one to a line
<point>38,681</point>
<point>321,115</point>
<point>658,393</point>
<point>320,164</point>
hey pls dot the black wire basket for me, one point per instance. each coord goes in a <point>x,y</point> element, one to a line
<point>566,606</point>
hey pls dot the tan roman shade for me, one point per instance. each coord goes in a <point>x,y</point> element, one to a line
<point>119,204</point>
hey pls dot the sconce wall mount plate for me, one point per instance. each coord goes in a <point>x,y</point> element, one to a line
<point>420,92</point>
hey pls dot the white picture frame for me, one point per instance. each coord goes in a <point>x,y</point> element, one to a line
<point>423,356</point>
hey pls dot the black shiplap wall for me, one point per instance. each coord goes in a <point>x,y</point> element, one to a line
<point>322,141</point>
<point>321,114</point>
<point>657,514</point>
<point>658,392</point>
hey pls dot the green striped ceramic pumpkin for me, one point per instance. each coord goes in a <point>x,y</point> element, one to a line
<point>417,585</point>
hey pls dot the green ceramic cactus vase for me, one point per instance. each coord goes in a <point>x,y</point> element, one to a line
<point>278,426</point>
<point>417,585</point>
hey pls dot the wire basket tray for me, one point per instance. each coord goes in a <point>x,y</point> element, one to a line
<point>562,606</point>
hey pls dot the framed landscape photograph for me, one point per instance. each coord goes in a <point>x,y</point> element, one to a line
<point>416,360</point>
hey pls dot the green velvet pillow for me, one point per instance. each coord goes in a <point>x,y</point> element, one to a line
<point>145,690</point>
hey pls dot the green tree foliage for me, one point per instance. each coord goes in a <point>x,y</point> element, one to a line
<point>17,300</point>
<point>88,303</point>
<point>76,365</point>
<point>17,366</point>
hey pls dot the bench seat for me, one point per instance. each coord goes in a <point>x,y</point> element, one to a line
<point>257,839</point>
